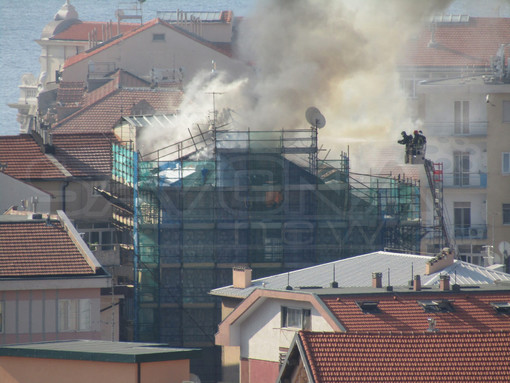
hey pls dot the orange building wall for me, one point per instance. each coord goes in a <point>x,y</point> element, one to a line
<point>36,370</point>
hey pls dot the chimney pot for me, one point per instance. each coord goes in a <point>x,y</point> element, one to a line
<point>377,280</point>
<point>417,283</point>
<point>444,282</point>
<point>241,277</point>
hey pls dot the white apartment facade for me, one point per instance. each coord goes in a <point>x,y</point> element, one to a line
<point>466,121</point>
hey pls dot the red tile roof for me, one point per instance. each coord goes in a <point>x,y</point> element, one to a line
<point>25,160</point>
<point>34,248</point>
<point>85,155</point>
<point>80,31</point>
<point>458,44</point>
<point>401,312</point>
<point>425,357</point>
<point>102,114</point>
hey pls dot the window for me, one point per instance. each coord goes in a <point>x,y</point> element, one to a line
<point>1,317</point>
<point>295,318</point>
<point>409,86</point>
<point>74,315</point>
<point>158,37</point>
<point>99,235</point>
<point>461,117</point>
<point>460,168</point>
<point>505,163</point>
<point>506,111</point>
<point>462,218</point>
<point>506,214</point>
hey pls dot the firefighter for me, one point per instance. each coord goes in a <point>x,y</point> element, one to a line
<point>407,140</point>
<point>419,141</point>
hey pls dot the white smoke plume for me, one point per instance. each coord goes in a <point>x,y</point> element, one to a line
<point>339,56</point>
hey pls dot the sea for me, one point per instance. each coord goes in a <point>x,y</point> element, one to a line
<point>22,21</point>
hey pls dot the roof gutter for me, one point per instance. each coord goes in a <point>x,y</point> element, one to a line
<point>78,241</point>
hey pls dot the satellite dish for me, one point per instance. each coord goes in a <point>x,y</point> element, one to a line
<point>315,118</point>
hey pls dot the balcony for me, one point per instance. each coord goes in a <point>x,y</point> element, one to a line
<point>465,180</point>
<point>449,129</point>
<point>470,231</point>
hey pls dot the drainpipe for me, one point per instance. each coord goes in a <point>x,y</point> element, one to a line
<point>64,186</point>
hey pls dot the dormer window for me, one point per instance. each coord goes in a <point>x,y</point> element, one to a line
<point>158,37</point>
<point>295,318</point>
<point>437,306</point>
<point>368,307</point>
<point>501,307</point>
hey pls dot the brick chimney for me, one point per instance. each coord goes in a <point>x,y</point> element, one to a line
<point>417,283</point>
<point>377,280</point>
<point>241,277</point>
<point>444,282</point>
<point>440,261</point>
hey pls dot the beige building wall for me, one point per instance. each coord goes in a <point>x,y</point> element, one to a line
<point>175,52</point>
<point>37,370</point>
<point>498,183</point>
<point>32,314</point>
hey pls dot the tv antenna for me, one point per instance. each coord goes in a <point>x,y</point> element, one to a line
<point>315,117</point>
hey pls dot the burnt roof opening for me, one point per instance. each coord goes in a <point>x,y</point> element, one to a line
<point>501,307</point>
<point>436,306</point>
<point>369,307</point>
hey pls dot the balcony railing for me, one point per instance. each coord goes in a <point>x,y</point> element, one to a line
<point>470,231</point>
<point>465,180</point>
<point>445,129</point>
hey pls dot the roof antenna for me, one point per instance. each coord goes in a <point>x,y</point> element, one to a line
<point>289,287</point>
<point>334,284</point>
<point>389,287</point>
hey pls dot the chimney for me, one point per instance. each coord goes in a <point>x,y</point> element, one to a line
<point>417,283</point>
<point>377,280</point>
<point>444,282</point>
<point>440,261</point>
<point>241,277</point>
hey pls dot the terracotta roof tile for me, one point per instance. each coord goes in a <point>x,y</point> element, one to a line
<point>424,357</point>
<point>458,44</point>
<point>401,312</point>
<point>80,31</point>
<point>70,93</point>
<point>35,248</point>
<point>25,160</point>
<point>85,155</point>
<point>103,114</point>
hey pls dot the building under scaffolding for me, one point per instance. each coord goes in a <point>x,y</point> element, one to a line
<point>262,199</point>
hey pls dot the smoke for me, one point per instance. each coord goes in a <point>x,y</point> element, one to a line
<point>197,108</point>
<point>339,56</point>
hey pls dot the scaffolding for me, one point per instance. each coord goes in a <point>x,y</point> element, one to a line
<point>262,199</point>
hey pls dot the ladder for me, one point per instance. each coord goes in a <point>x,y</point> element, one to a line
<point>434,172</point>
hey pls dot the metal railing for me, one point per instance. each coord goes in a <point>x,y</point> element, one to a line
<point>478,231</point>
<point>465,180</point>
